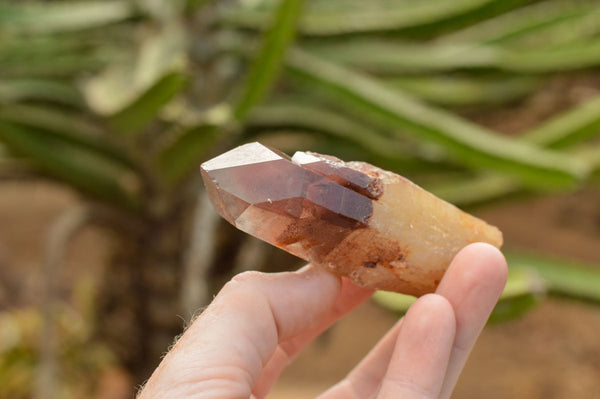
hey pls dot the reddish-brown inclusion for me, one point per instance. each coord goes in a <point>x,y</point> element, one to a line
<point>335,170</point>
<point>312,212</point>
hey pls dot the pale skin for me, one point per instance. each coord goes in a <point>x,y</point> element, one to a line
<point>259,323</point>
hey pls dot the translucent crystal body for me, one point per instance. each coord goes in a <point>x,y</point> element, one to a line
<point>354,219</point>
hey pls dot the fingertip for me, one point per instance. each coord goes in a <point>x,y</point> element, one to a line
<point>435,303</point>
<point>477,264</point>
<point>434,309</point>
<point>489,255</point>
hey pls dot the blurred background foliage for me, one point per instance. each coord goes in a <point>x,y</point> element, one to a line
<point>121,100</point>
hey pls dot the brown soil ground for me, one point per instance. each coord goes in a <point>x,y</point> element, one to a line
<point>552,352</point>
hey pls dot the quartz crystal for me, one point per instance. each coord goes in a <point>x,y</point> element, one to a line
<point>351,218</point>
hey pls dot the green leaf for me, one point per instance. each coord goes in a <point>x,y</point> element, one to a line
<point>466,142</point>
<point>159,58</point>
<point>572,56</point>
<point>591,155</point>
<point>22,47</point>
<point>393,57</point>
<point>64,55</point>
<point>324,18</point>
<point>474,189</point>
<point>85,170</point>
<point>61,16</point>
<point>542,24</point>
<point>465,90</point>
<point>60,66</point>
<point>60,121</point>
<point>162,11</point>
<point>564,278</point>
<point>196,4</point>
<point>187,151</point>
<point>137,115</point>
<point>522,291</point>
<point>281,115</point>
<point>57,91</point>
<point>67,126</point>
<point>267,64</point>
<point>522,281</point>
<point>397,303</point>
<point>573,126</point>
<point>513,308</point>
<point>561,131</point>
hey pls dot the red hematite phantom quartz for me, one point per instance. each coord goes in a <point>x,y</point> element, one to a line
<point>260,191</point>
<point>356,220</point>
<point>334,169</point>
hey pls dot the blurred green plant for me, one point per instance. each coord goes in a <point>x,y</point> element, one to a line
<point>121,100</point>
<point>80,357</point>
<point>531,277</point>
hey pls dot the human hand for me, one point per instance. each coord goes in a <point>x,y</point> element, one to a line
<point>259,323</point>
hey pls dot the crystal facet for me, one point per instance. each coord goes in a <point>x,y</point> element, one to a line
<point>356,220</point>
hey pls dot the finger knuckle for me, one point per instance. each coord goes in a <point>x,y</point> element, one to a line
<point>247,277</point>
<point>244,281</point>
